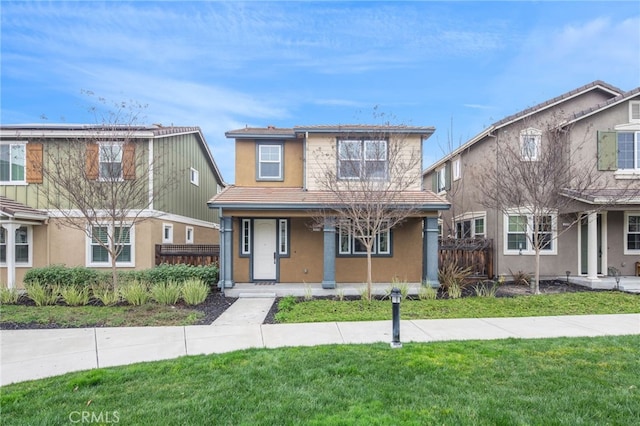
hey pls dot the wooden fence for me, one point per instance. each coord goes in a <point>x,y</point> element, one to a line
<point>190,254</point>
<point>476,253</point>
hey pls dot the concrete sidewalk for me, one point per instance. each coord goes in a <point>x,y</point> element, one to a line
<point>34,354</point>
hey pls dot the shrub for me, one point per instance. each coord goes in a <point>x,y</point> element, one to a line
<point>135,292</point>
<point>166,293</point>
<point>427,292</point>
<point>286,304</point>
<point>453,278</point>
<point>486,288</point>
<point>9,296</point>
<point>104,293</point>
<point>194,291</point>
<point>75,295</point>
<point>62,275</point>
<point>179,273</point>
<point>521,278</point>
<point>42,294</point>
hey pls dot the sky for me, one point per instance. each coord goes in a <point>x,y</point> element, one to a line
<point>458,66</point>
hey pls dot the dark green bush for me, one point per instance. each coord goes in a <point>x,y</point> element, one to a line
<point>62,275</point>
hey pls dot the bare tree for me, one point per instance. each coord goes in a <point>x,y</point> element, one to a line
<point>100,182</point>
<point>534,173</point>
<point>370,183</point>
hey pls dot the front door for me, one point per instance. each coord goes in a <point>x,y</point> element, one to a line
<point>584,241</point>
<point>264,249</point>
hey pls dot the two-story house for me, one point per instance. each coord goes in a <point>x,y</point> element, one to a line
<point>600,229</point>
<point>32,230</point>
<point>269,219</point>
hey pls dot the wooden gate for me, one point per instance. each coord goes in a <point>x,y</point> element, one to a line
<point>474,253</point>
<point>190,254</point>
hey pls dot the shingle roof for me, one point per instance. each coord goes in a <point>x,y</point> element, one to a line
<point>268,198</point>
<point>609,102</point>
<point>14,209</point>
<point>298,131</point>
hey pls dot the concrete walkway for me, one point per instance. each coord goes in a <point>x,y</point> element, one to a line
<point>35,354</point>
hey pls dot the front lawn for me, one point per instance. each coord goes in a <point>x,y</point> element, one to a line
<point>566,381</point>
<point>579,303</point>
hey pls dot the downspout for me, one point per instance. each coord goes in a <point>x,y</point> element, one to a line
<point>150,200</point>
<point>496,257</point>
<point>304,161</point>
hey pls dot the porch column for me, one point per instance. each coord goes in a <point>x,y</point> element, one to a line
<point>226,253</point>
<point>10,232</point>
<point>329,254</point>
<point>430,250</point>
<point>592,246</point>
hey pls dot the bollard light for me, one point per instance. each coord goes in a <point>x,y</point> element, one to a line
<point>396,296</point>
<point>568,273</point>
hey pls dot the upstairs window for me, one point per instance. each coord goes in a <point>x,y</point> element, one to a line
<point>110,160</point>
<point>530,144</point>
<point>194,176</point>
<point>441,179</point>
<point>457,169</point>
<point>634,112</point>
<point>270,162</point>
<point>628,150</point>
<point>12,163</point>
<point>362,159</point>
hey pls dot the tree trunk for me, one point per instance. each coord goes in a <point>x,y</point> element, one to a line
<point>369,279</point>
<point>536,287</point>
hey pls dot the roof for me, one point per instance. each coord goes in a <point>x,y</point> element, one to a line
<point>602,106</point>
<point>15,210</point>
<point>63,130</point>
<point>298,131</point>
<point>269,198</point>
<point>604,196</point>
<point>594,85</point>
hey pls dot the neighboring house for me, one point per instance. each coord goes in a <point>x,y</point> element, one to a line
<point>608,235</point>
<point>32,233</point>
<point>269,227</point>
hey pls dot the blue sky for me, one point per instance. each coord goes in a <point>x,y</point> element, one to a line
<point>458,66</point>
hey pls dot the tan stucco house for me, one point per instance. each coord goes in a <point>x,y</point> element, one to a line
<point>269,217</point>
<point>32,233</point>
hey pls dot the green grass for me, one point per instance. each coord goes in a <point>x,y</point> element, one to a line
<point>566,381</point>
<point>580,303</point>
<point>105,316</point>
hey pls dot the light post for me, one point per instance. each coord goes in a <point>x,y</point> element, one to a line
<point>395,309</point>
<point>568,273</point>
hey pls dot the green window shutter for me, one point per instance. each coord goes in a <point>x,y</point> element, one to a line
<point>607,150</point>
<point>447,176</point>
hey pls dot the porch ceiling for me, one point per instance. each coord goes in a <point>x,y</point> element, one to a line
<point>268,198</point>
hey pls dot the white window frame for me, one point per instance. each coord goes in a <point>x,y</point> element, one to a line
<point>349,240</point>
<point>283,237</point>
<point>528,232</point>
<point>262,161</point>
<point>12,144</point>
<point>636,152</point>
<point>194,176</point>
<point>189,235</point>
<point>167,233</point>
<point>457,169</point>
<point>473,218</point>
<point>245,236</point>
<point>89,244</point>
<point>102,176</point>
<point>530,138</point>
<point>625,243</point>
<point>359,157</point>
<point>634,109</point>
<point>29,262</point>
<point>441,176</point>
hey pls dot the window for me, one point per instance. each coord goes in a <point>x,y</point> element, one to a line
<point>194,176</point>
<point>520,230</point>
<point>632,233</point>
<point>362,159</point>
<point>245,237</point>
<point>123,240</point>
<point>22,245</point>
<point>470,227</point>
<point>12,163</point>
<point>110,158</point>
<point>167,233</point>
<point>189,237</point>
<point>457,169</point>
<point>441,179</point>
<point>270,162</point>
<point>628,150</point>
<point>348,244</point>
<point>283,237</point>
<point>530,144</point>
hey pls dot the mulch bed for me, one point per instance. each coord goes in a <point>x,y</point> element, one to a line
<point>216,303</point>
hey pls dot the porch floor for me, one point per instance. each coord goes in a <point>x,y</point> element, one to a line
<point>629,284</point>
